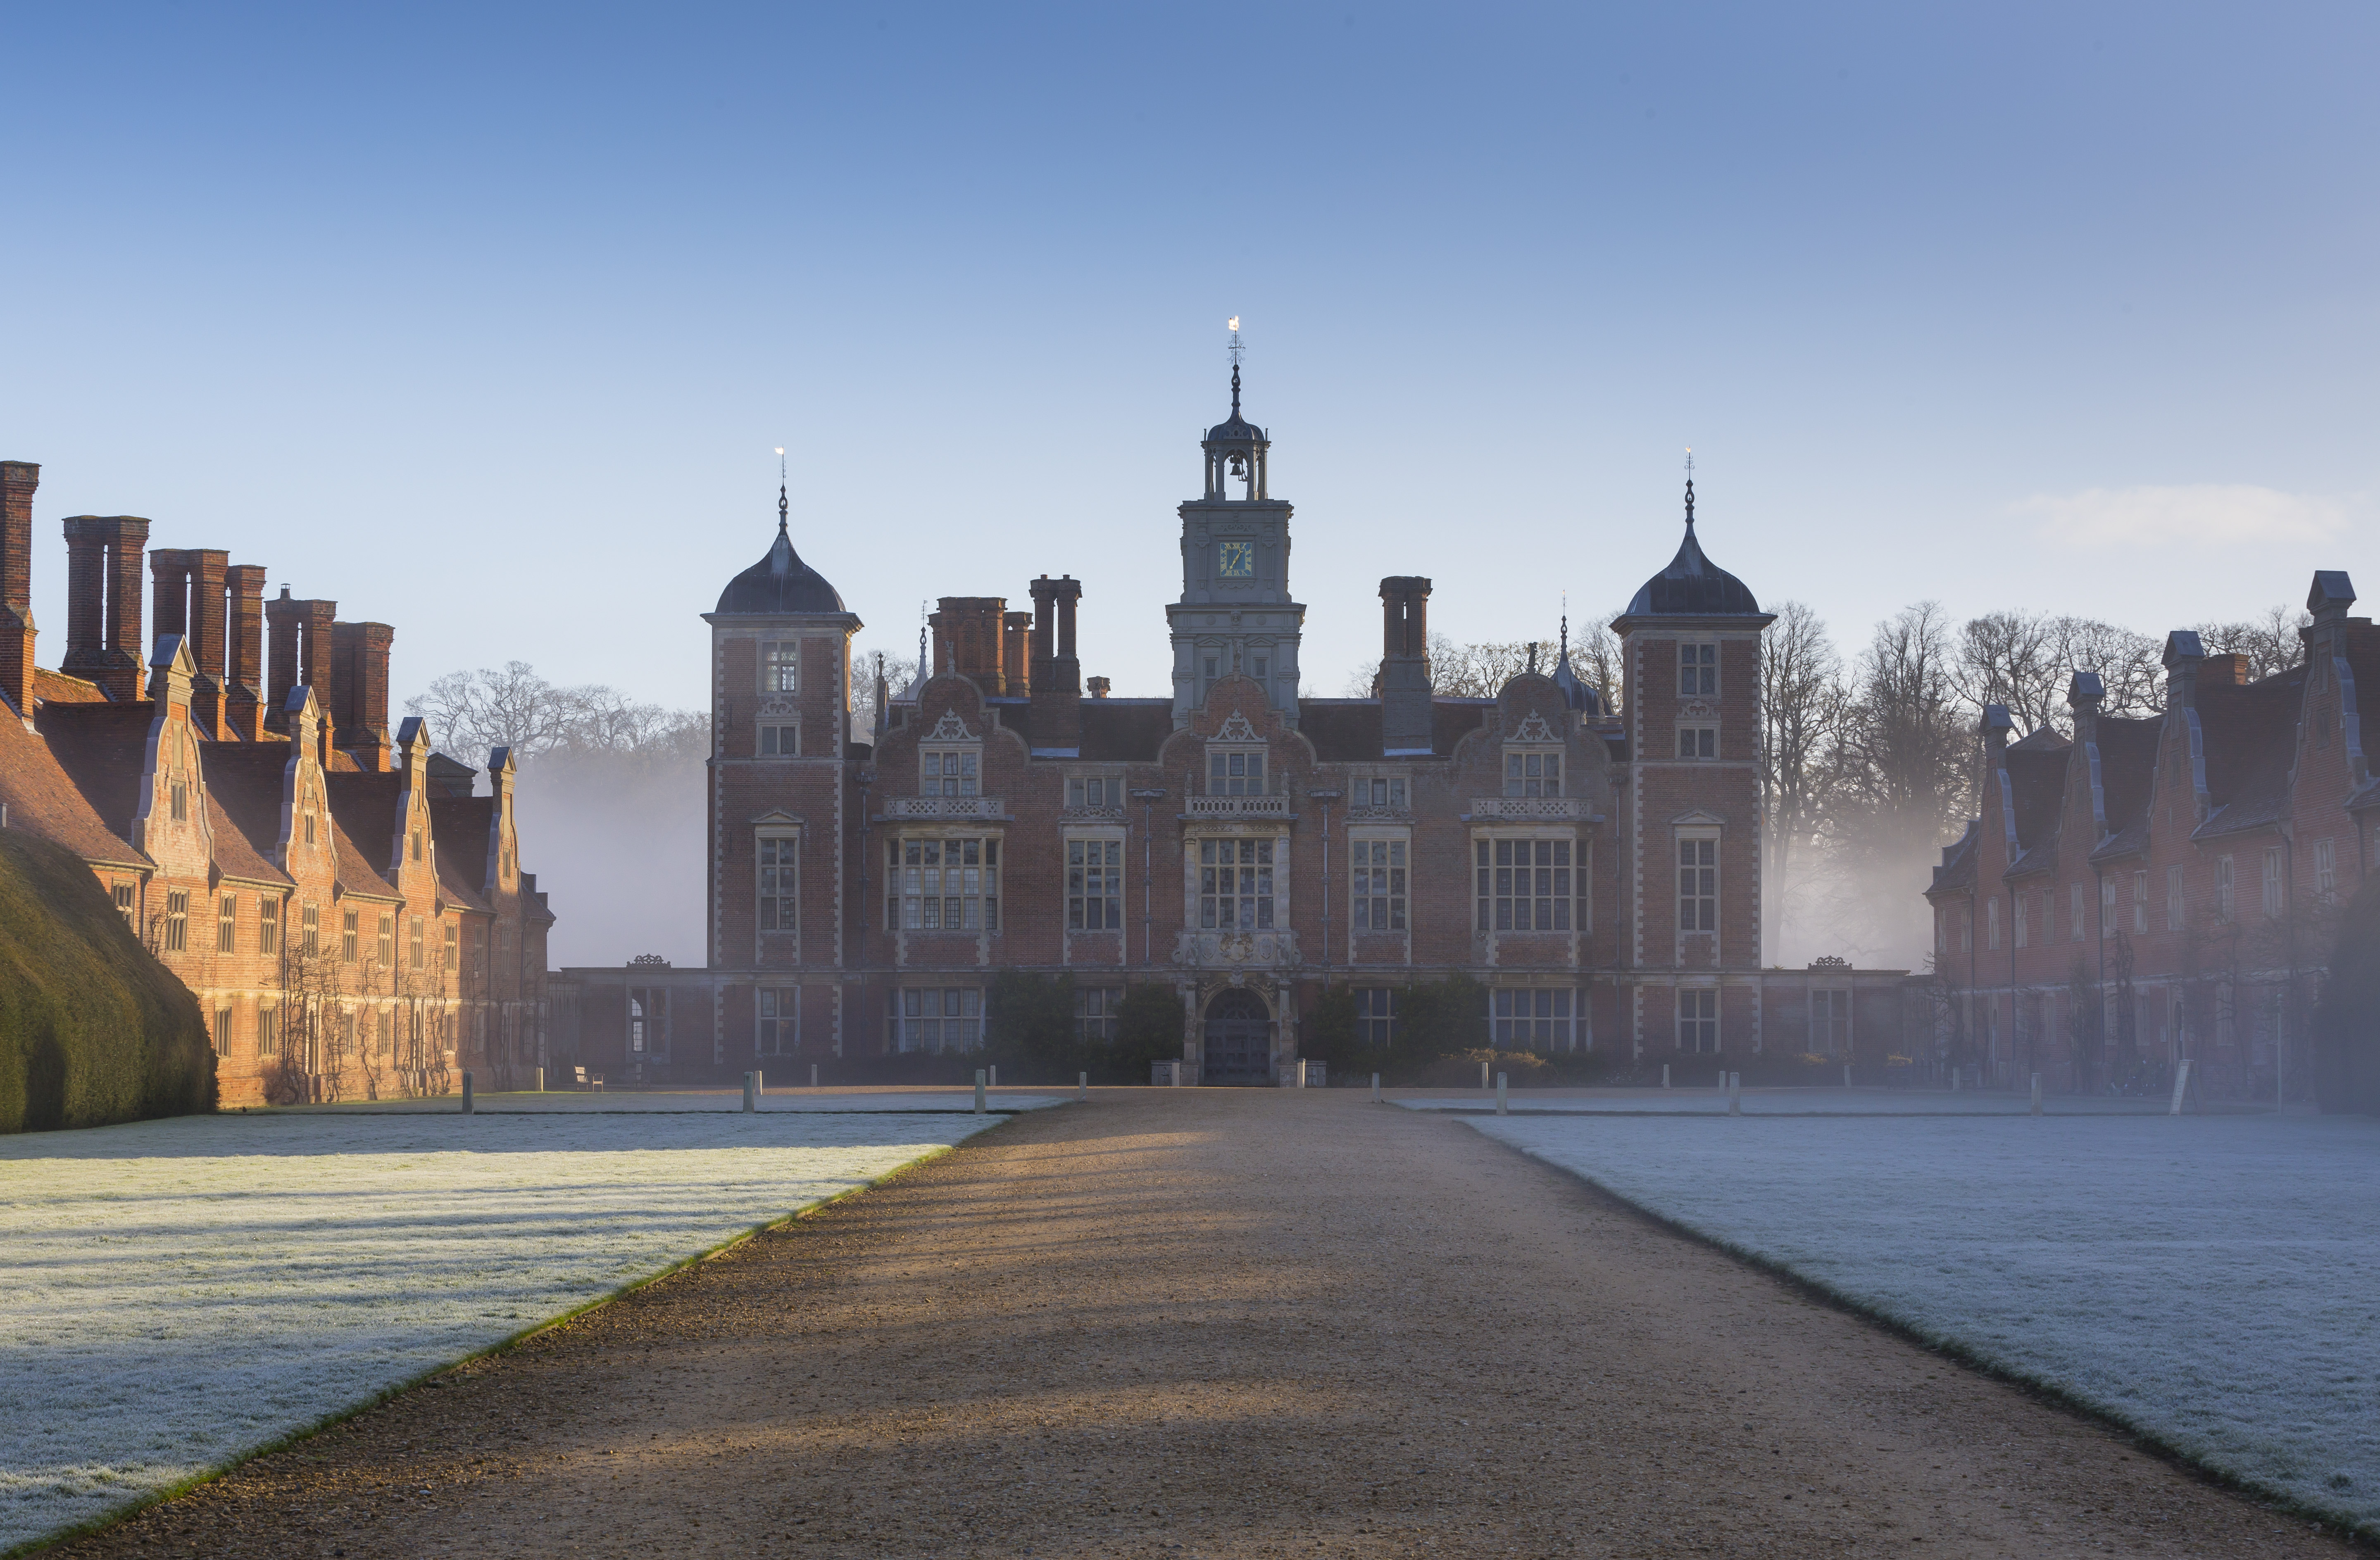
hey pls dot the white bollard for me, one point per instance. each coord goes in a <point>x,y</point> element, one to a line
<point>750,1104</point>
<point>2181,1087</point>
<point>1375,1088</point>
<point>467,1094</point>
<point>978,1091</point>
<point>759,1082</point>
<point>1501,1095</point>
<point>2037,1094</point>
<point>1735,1094</point>
<point>1665,1075</point>
<point>813,1075</point>
<point>1847,1075</point>
<point>1301,1075</point>
<point>995,1078</point>
<point>540,1074</point>
<point>1954,1080</point>
<point>1082,1085</point>
<point>1483,1077</point>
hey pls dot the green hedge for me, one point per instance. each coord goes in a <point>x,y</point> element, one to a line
<point>92,1028</point>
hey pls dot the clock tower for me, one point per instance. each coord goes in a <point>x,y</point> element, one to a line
<point>1236,614</point>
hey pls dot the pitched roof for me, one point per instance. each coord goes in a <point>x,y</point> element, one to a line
<point>244,787</point>
<point>1125,731</point>
<point>2036,772</point>
<point>461,825</point>
<point>1958,868</point>
<point>2128,752</point>
<point>2251,748</point>
<point>43,799</point>
<point>103,748</point>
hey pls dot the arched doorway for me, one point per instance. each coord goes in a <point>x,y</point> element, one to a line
<point>1239,1039</point>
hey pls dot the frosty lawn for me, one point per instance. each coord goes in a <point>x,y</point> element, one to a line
<point>174,1293</point>
<point>2214,1282</point>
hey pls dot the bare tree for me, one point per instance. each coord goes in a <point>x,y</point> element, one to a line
<point>1900,782</point>
<point>2025,661</point>
<point>2270,642</point>
<point>898,671</point>
<point>1802,704</point>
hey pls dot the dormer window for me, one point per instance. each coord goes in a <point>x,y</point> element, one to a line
<point>780,666</point>
<point>948,771</point>
<point>1532,771</point>
<point>1231,773</point>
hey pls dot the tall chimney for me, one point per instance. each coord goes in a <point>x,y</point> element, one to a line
<point>169,593</point>
<point>286,619</point>
<point>127,535</point>
<point>244,704</point>
<point>317,673</point>
<point>360,699</point>
<point>1016,652</point>
<point>1055,718</point>
<point>86,654</point>
<point>206,634</point>
<point>17,481</point>
<point>1405,725</point>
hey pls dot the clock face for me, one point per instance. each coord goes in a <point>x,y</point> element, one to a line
<point>1239,559</point>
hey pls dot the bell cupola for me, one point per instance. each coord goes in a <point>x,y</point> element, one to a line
<point>1235,617</point>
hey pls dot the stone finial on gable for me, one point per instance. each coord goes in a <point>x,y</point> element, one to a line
<point>171,670</point>
<point>2332,594</point>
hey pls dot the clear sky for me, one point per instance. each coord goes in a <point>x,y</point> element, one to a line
<point>482,321</point>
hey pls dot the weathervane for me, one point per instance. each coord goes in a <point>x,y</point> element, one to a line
<point>1236,350</point>
<point>1690,487</point>
<point>782,505</point>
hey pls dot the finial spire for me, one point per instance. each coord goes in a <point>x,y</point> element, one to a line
<point>783,507</point>
<point>1236,350</point>
<point>1690,487</point>
<point>1565,625</point>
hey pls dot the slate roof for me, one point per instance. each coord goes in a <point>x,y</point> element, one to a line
<point>2251,745</point>
<point>1958,868</point>
<point>461,825</point>
<point>2128,752</point>
<point>779,583</point>
<point>1125,731</point>
<point>42,799</point>
<point>243,785</point>
<point>1692,586</point>
<point>2036,771</point>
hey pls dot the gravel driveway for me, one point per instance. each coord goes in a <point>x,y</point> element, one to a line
<point>1215,1323</point>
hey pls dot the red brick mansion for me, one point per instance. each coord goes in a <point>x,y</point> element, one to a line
<point>1239,844</point>
<point>353,921</point>
<point>2163,888</point>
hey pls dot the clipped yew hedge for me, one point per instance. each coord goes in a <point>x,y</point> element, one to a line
<point>92,1028</point>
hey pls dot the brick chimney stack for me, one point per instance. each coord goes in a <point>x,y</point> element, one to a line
<point>318,618</point>
<point>1055,722</point>
<point>126,536</point>
<point>169,590</point>
<point>1406,722</point>
<point>206,633</point>
<point>286,618</point>
<point>86,654</point>
<point>1016,651</point>
<point>360,696</point>
<point>244,704</point>
<point>17,481</point>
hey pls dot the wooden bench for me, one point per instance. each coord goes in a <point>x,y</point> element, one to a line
<point>585,1079</point>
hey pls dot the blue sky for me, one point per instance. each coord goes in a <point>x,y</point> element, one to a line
<point>482,321</point>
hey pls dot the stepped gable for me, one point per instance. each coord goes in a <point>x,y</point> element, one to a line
<point>43,799</point>
<point>2249,748</point>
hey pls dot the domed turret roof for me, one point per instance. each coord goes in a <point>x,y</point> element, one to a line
<point>1576,692</point>
<point>1692,586</point>
<point>780,582</point>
